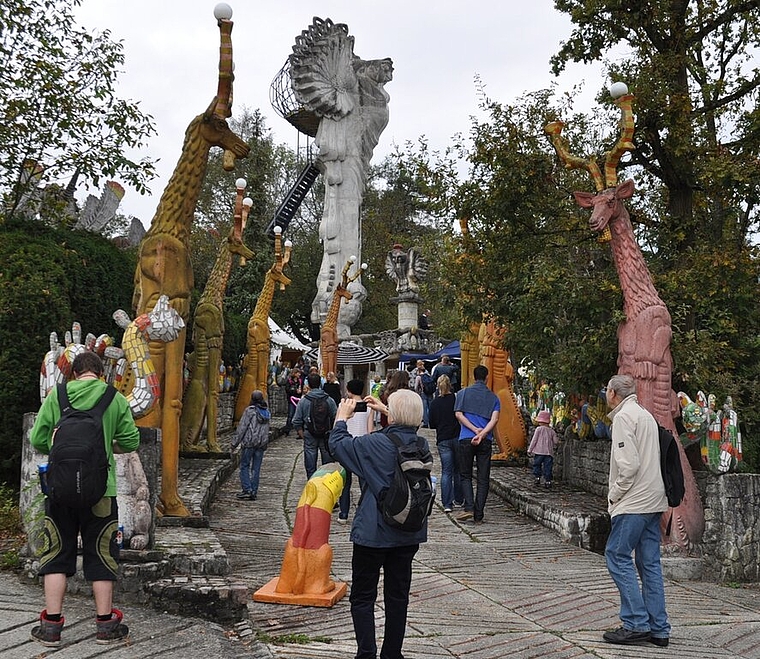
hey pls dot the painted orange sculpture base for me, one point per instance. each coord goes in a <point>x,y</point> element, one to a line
<point>268,593</point>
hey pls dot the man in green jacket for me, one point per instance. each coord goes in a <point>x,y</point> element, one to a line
<point>98,525</point>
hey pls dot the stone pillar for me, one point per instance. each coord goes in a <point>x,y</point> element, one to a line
<point>407,315</point>
<point>348,372</point>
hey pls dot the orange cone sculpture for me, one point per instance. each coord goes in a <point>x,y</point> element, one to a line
<point>305,574</point>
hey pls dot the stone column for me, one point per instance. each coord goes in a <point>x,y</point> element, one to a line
<point>407,315</point>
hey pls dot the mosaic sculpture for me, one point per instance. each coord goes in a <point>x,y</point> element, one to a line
<point>305,573</point>
<point>256,362</point>
<point>717,431</point>
<point>201,401</point>
<point>347,94</point>
<point>164,261</point>
<point>406,267</point>
<point>328,335</point>
<point>644,336</point>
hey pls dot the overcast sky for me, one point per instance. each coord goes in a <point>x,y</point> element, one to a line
<point>437,48</point>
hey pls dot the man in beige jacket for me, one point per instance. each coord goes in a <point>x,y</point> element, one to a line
<point>636,502</point>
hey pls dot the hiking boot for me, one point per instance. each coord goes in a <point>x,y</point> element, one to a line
<point>465,516</point>
<point>48,632</point>
<point>537,482</point>
<point>243,495</point>
<point>659,641</point>
<point>111,631</point>
<point>548,485</point>
<point>623,636</point>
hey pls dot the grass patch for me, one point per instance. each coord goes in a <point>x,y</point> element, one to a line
<point>294,639</point>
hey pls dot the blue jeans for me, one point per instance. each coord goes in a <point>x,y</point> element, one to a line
<point>543,463</point>
<point>641,609</point>
<point>310,447</point>
<point>426,409</point>
<point>451,481</point>
<point>482,455</point>
<point>250,466</point>
<point>397,580</point>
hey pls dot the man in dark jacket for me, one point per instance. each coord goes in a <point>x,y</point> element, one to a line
<point>302,421</point>
<point>373,458</point>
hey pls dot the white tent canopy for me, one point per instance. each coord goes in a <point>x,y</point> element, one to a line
<point>281,339</point>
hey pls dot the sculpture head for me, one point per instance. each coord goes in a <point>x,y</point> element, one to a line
<point>606,205</point>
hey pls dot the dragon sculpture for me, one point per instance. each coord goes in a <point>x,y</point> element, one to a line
<point>256,363</point>
<point>164,266</point>
<point>201,402</point>
<point>644,336</point>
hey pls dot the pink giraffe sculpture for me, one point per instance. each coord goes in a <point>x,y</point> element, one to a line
<point>644,336</point>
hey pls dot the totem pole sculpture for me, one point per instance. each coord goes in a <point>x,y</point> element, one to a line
<point>644,337</point>
<point>256,363</point>
<point>201,400</point>
<point>328,335</point>
<point>347,95</point>
<point>164,261</point>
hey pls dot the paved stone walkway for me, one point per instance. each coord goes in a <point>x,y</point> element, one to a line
<point>508,588</point>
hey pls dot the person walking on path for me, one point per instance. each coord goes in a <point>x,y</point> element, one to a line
<point>420,377</point>
<point>477,410</point>
<point>252,435</point>
<point>541,447</point>
<point>293,390</point>
<point>377,545</point>
<point>359,424</point>
<point>97,525</point>
<point>636,501</point>
<point>444,367</point>
<point>443,419</point>
<point>331,387</point>
<point>312,421</point>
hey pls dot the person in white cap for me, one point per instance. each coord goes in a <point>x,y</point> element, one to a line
<point>542,446</point>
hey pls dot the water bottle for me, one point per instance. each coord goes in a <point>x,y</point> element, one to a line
<point>434,480</point>
<point>120,536</point>
<point>42,471</point>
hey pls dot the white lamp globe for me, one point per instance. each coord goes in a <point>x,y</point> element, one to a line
<point>241,183</point>
<point>278,230</point>
<point>288,243</point>
<point>222,12</point>
<point>618,89</point>
<point>247,202</point>
<point>352,258</point>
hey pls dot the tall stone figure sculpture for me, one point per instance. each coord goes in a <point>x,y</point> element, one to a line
<point>256,361</point>
<point>644,336</point>
<point>164,261</point>
<point>347,94</point>
<point>328,338</point>
<point>201,401</point>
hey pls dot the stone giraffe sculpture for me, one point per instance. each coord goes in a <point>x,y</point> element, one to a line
<point>201,401</point>
<point>256,363</point>
<point>328,335</point>
<point>510,432</point>
<point>164,266</point>
<point>644,337</point>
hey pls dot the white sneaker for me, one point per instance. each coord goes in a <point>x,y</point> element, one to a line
<point>447,510</point>
<point>342,520</point>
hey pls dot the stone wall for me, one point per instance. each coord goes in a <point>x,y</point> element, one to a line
<point>731,542</point>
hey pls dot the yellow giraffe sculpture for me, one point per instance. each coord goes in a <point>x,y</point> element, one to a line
<point>256,360</point>
<point>328,336</point>
<point>164,262</point>
<point>201,400</point>
<point>510,430</point>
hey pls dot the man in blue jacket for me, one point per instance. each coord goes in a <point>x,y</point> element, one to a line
<point>373,459</point>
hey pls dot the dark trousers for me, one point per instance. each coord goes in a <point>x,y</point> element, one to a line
<point>397,579</point>
<point>475,502</point>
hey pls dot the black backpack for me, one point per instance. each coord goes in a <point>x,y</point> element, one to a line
<point>670,466</point>
<point>408,500</point>
<point>78,463</point>
<point>318,423</point>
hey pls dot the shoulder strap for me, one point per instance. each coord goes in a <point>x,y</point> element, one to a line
<point>63,399</point>
<point>395,439</point>
<point>105,400</point>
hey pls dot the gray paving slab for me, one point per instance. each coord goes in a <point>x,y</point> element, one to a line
<point>508,588</point>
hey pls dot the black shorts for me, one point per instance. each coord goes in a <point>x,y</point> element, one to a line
<point>98,527</point>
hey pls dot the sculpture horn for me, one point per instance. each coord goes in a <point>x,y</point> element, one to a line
<point>624,143</point>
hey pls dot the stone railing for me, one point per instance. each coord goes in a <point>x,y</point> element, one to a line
<point>731,541</point>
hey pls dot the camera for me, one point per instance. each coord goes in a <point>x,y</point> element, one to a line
<point>361,406</point>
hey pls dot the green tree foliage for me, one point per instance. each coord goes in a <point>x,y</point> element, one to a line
<point>59,104</point>
<point>49,278</point>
